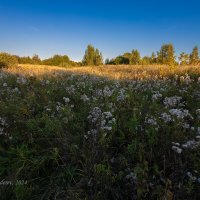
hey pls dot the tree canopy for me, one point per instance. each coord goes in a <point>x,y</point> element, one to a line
<point>7,60</point>
<point>194,56</point>
<point>92,57</point>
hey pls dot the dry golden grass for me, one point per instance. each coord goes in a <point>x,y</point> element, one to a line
<point>113,72</point>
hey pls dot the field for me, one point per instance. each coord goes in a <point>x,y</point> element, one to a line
<point>110,132</point>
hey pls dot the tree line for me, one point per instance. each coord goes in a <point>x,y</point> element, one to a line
<point>93,57</point>
<point>165,56</point>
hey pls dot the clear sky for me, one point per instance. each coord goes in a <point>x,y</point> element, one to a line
<point>48,27</point>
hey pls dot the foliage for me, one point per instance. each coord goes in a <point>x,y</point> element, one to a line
<point>184,59</point>
<point>135,57</point>
<point>36,60</point>
<point>194,56</point>
<point>166,55</point>
<point>7,60</point>
<point>57,60</point>
<point>92,57</point>
<point>25,60</point>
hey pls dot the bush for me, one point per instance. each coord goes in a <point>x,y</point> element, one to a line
<point>7,60</point>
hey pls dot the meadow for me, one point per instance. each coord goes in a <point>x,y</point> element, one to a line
<point>108,132</point>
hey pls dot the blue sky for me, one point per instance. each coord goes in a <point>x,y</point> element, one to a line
<point>48,27</point>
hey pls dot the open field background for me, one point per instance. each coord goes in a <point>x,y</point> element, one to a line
<point>110,71</point>
<point>113,132</point>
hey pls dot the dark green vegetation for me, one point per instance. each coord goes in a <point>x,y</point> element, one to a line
<point>93,57</point>
<point>166,56</point>
<point>85,137</point>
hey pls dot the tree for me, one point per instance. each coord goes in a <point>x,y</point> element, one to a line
<point>58,60</point>
<point>98,59</point>
<point>135,57</point>
<point>166,55</point>
<point>127,57</point>
<point>121,60</point>
<point>92,57</point>
<point>194,56</point>
<point>36,60</point>
<point>7,60</point>
<point>107,61</point>
<point>25,60</point>
<point>184,59</point>
<point>153,59</point>
<point>146,60</point>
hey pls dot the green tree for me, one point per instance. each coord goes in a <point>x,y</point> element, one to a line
<point>135,57</point>
<point>153,59</point>
<point>98,59</point>
<point>121,60</point>
<point>25,60</point>
<point>92,57</point>
<point>36,59</point>
<point>184,59</point>
<point>146,60</point>
<point>107,61</point>
<point>194,56</point>
<point>166,55</point>
<point>58,60</point>
<point>7,60</point>
<point>127,57</point>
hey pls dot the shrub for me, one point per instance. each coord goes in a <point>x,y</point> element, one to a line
<point>7,60</point>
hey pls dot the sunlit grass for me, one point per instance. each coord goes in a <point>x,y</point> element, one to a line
<point>113,72</point>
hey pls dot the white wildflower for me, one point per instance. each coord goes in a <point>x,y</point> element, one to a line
<point>47,82</point>
<point>171,102</point>
<point>186,126</point>
<point>156,96</point>
<point>177,149</point>
<point>121,96</point>
<point>187,79</point>
<point>3,125</point>
<point>70,89</point>
<point>131,176</point>
<point>5,84</point>
<point>198,137</point>
<point>150,120</point>
<point>66,99</point>
<point>1,131</point>
<point>180,113</point>
<point>192,178</point>
<point>21,80</point>
<point>176,144</point>
<point>192,128</point>
<point>198,111</point>
<point>166,117</point>
<point>198,130</point>
<point>16,90</point>
<point>191,144</point>
<point>101,120</point>
<point>84,98</point>
<point>107,92</point>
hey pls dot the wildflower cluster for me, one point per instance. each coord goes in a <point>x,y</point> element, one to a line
<point>100,121</point>
<point>3,125</point>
